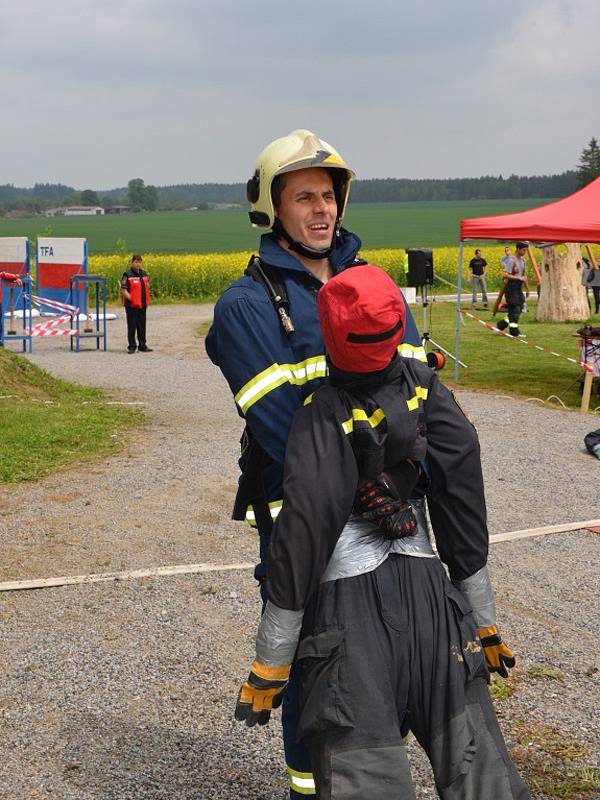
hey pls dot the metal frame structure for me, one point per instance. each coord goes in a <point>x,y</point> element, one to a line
<point>79,288</point>
<point>27,314</point>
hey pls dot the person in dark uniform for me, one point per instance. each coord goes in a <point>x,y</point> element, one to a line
<point>385,640</point>
<point>135,292</point>
<point>515,280</point>
<point>299,190</point>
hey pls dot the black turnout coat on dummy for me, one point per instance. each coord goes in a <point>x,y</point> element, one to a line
<point>328,450</point>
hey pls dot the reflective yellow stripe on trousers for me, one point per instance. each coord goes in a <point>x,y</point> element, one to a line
<point>301,782</point>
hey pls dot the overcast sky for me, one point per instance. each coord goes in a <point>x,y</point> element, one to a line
<point>96,92</point>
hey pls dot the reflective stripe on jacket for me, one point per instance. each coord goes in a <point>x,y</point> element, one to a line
<point>270,374</point>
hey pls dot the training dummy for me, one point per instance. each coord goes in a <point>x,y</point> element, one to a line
<point>385,641</point>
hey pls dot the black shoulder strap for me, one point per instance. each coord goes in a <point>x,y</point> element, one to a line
<point>270,278</point>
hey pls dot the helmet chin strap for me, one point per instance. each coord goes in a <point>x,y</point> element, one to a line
<point>302,249</point>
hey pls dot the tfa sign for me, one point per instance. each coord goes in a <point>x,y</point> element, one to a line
<point>58,259</point>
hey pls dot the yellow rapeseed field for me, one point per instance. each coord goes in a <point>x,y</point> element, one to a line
<point>199,277</point>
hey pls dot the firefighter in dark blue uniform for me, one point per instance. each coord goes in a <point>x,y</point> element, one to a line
<point>273,356</point>
<point>515,281</point>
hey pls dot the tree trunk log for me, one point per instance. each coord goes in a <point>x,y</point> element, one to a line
<point>562,296</point>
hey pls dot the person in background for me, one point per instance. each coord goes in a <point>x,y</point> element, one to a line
<point>515,280</point>
<point>592,278</point>
<point>135,293</point>
<point>478,265</point>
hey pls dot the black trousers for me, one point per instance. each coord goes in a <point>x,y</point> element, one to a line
<point>136,326</point>
<point>515,300</point>
<point>389,650</point>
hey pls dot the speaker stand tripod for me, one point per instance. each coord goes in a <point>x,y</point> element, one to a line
<point>425,337</point>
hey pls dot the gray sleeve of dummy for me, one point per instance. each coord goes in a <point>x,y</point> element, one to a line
<point>278,634</point>
<point>478,589</point>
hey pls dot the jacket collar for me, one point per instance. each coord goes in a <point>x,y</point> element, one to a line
<point>365,380</point>
<point>271,252</point>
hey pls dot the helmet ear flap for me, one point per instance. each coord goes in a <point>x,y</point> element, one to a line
<point>253,188</point>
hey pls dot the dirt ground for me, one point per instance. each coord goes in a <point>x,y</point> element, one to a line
<point>125,689</point>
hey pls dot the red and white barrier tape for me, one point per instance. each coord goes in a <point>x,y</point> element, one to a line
<point>494,329</point>
<point>45,301</point>
<point>50,328</point>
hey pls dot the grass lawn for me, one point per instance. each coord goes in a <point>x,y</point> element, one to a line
<point>46,422</point>
<point>504,366</point>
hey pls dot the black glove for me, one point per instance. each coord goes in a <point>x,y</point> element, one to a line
<point>377,500</point>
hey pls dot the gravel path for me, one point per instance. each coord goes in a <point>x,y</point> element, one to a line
<point>125,690</point>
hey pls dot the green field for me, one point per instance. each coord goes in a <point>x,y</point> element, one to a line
<point>502,365</point>
<point>423,224</point>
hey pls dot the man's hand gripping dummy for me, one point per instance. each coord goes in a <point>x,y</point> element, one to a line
<point>379,501</point>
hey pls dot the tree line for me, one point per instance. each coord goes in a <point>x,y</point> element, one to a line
<point>142,197</point>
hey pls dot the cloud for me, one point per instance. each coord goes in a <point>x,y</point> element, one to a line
<point>189,90</point>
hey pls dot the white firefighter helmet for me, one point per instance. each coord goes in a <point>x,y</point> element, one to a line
<point>300,149</point>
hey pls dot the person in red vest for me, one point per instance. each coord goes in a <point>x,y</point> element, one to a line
<point>7,276</point>
<point>135,292</point>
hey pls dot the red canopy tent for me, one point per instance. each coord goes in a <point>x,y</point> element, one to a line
<point>575,218</point>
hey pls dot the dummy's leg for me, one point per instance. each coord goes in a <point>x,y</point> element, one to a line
<point>451,711</point>
<point>354,672</point>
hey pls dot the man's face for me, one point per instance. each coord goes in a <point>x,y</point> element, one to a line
<point>137,265</point>
<point>507,251</point>
<point>308,209</point>
<point>521,251</point>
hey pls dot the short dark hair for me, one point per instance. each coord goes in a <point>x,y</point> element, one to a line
<point>136,257</point>
<point>477,250</point>
<point>521,245</point>
<point>277,188</point>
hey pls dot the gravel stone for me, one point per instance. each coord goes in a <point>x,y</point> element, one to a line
<point>126,689</point>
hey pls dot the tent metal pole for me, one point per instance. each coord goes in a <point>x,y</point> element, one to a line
<point>458,317</point>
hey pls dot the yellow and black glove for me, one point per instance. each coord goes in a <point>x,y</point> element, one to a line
<point>497,655</point>
<point>260,693</point>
